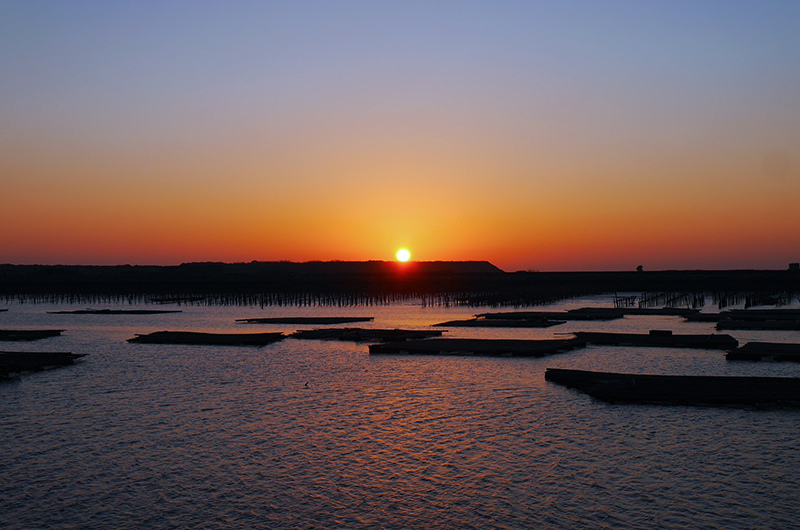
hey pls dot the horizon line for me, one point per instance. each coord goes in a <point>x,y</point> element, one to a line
<point>791,266</point>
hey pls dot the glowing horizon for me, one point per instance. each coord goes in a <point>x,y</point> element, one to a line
<point>535,137</point>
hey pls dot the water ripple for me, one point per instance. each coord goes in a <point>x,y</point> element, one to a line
<point>307,434</point>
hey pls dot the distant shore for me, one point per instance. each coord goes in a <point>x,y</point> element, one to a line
<point>338,282</point>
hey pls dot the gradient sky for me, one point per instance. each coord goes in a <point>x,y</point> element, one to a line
<point>549,136</point>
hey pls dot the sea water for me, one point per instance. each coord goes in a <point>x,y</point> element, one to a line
<point>320,434</point>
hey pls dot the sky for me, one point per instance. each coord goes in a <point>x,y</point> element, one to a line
<point>551,136</point>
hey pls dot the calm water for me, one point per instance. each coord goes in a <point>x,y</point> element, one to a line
<point>312,434</point>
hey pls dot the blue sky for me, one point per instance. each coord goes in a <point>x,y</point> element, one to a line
<point>532,114</point>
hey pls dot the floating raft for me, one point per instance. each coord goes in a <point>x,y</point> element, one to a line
<point>365,335</point>
<point>751,319</point>
<point>586,313</point>
<point>766,351</point>
<point>760,319</point>
<point>658,311</point>
<point>680,389</point>
<point>480,322</point>
<point>304,320</point>
<point>759,324</point>
<point>659,339</point>
<point>28,334</point>
<point>115,312</point>
<point>762,314</point>
<point>15,362</point>
<point>490,347</point>
<point>704,317</point>
<point>213,339</point>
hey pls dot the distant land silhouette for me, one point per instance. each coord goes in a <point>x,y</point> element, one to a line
<point>358,282</point>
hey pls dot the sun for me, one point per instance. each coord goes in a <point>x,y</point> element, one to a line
<point>403,255</point>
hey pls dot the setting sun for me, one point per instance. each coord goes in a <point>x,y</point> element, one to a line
<point>403,254</point>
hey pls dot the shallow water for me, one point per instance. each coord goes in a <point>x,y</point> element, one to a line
<point>314,434</point>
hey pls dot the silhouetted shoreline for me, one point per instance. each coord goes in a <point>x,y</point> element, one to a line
<point>477,283</point>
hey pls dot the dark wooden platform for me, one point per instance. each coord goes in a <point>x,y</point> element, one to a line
<point>756,325</point>
<point>590,313</point>
<point>658,311</point>
<point>115,312</point>
<point>704,317</point>
<point>762,314</point>
<point>586,313</point>
<point>16,362</point>
<point>751,319</point>
<point>680,389</point>
<point>17,335</point>
<point>659,339</point>
<point>766,351</point>
<point>304,320</point>
<point>537,319</point>
<point>365,335</point>
<point>209,339</point>
<point>501,323</point>
<point>487,347</point>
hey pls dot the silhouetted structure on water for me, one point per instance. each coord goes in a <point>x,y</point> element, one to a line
<point>27,335</point>
<point>208,339</point>
<point>365,335</point>
<point>659,338</point>
<point>680,389</point>
<point>766,351</point>
<point>13,363</point>
<point>481,347</point>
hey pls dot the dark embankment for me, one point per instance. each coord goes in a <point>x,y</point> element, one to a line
<point>348,283</point>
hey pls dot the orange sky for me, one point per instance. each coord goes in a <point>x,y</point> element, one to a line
<point>666,137</point>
